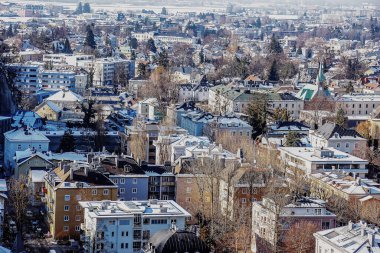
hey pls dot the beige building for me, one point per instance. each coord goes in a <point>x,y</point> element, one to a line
<point>65,187</point>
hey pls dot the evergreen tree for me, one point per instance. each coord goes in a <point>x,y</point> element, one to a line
<point>86,8</point>
<point>164,11</point>
<point>141,69</point>
<point>89,114</point>
<point>292,139</point>
<point>275,46</point>
<point>67,47</point>
<point>9,32</point>
<point>201,56</point>
<point>273,72</point>
<point>163,59</point>
<point>133,55</point>
<point>67,142</point>
<point>350,88</point>
<point>151,46</point>
<point>79,9</point>
<point>90,38</point>
<point>340,118</point>
<point>257,116</point>
<point>258,23</point>
<point>299,50</point>
<point>133,43</point>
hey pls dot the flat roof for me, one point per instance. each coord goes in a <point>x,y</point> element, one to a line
<point>306,153</point>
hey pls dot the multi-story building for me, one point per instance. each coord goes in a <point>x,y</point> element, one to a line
<point>127,174</point>
<point>57,79</point>
<point>335,136</point>
<point>264,220</point>
<point>230,126</point>
<point>315,160</point>
<point>161,183</point>
<point>108,70</point>
<point>227,99</point>
<point>127,226</point>
<point>20,140</point>
<point>358,105</point>
<point>27,76</point>
<point>328,184</point>
<point>355,237</point>
<point>65,187</point>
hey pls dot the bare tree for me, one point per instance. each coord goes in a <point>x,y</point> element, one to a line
<point>299,238</point>
<point>19,199</point>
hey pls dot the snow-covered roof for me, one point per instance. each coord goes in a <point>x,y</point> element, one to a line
<point>65,96</point>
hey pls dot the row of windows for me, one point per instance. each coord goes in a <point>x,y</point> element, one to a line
<point>94,192</point>
<point>67,218</point>
<point>66,228</point>
<point>122,190</point>
<point>122,181</point>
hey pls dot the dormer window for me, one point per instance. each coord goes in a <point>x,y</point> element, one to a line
<point>336,135</point>
<point>127,168</point>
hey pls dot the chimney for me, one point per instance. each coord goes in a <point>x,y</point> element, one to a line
<point>371,239</point>
<point>350,225</point>
<point>71,174</point>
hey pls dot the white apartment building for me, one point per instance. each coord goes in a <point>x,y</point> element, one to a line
<point>335,136</point>
<point>106,69</point>
<point>126,226</point>
<point>57,79</point>
<point>26,76</point>
<point>315,160</point>
<point>358,105</point>
<point>303,209</point>
<point>355,237</point>
<point>69,59</point>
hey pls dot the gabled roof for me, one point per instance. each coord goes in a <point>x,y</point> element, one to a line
<point>329,129</point>
<point>65,96</point>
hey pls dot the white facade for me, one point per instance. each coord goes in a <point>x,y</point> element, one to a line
<point>358,105</point>
<point>126,226</point>
<point>343,143</point>
<point>27,76</point>
<point>313,160</point>
<point>106,68</point>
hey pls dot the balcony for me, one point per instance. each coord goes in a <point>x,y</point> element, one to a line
<point>168,183</point>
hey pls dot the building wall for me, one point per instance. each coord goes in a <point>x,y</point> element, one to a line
<point>46,112</point>
<point>60,228</point>
<point>33,163</point>
<point>126,185</point>
<point>11,146</point>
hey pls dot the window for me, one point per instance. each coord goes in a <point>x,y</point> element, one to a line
<point>347,145</point>
<point>134,199</point>
<point>188,199</point>
<point>111,245</point>
<point>134,181</point>
<point>115,181</point>
<point>318,211</point>
<point>66,208</point>
<point>106,192</point>
<point>78,208</point>
<point>165,197</point>
<point>78,197</point>
<point>188,189</point>
<point>243,200</point>
<point>122,190</point>
<point>19,146</point>
<point>65,228</point>
<point>189,180</point>
<point>122,233</point>
<point>244,191</point>
<point>325,224</point>
<point>67,197</point>
<point>94,191</point>
<point>77,228</point>
<point>122,180</point>
<point>77,217</point>
<point>113,234</point>
<point>66,218</point>
<point>159,221</point>
<point>134,190</point>
<point>122,245</point>
<point>338,145</point>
